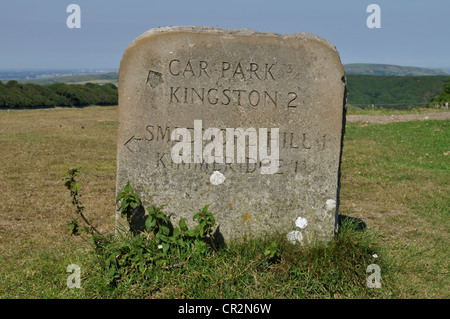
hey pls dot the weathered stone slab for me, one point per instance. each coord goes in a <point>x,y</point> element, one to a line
<point>208,80</point>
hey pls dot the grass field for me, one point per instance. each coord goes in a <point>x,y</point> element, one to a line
<point>395,177</point>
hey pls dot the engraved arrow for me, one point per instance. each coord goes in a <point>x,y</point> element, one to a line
<point>133,144</point>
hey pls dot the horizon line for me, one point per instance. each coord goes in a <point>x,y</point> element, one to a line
<point>117,69</point>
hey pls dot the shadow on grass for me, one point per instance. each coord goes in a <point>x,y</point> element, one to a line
<point>358,223</point>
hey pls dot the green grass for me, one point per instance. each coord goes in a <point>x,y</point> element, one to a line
<point>399,183</point>
<point>395,178</point>
<point>337,270</point>
<point>242,271</point>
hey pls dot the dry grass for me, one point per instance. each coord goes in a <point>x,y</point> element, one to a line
<point>37,148</point>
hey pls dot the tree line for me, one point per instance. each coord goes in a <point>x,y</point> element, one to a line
<point>444,96</point>
<point>399,92</point>
<point>16,95</point>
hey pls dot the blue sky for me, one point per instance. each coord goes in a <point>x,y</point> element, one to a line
<point>34,34</point>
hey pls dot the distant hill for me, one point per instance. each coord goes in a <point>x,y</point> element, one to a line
<point>354,68</point>
<point>103,78</point>
<point>387,69</point>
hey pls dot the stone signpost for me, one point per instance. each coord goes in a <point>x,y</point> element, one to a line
<point>250,123</point>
